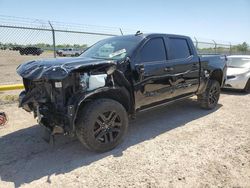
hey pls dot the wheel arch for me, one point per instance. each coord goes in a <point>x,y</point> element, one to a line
<point>119,94</point>
<point>247,86</point>
<point>217,74</point>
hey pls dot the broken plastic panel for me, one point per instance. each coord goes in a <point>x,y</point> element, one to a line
<point>3,119</point>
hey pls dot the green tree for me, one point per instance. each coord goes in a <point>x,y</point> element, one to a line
<point>242,47</point>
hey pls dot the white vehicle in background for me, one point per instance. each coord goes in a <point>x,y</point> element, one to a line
<point>238,72</point>
<point>68,52</point>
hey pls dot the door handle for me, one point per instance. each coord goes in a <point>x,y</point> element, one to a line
<point>168,69</point>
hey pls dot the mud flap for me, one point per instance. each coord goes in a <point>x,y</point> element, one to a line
<point>49,137</point>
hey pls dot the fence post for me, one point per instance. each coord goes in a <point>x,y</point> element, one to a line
<point>230,49</point>
<point>196,43</point>
<point>54,40</point>
<point>215,46</point>
<point>121,31</point>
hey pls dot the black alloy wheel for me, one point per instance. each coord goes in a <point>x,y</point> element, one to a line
<point>209,99</point>
<point>214,94</point>
<point>101,124</point>
<point>107,127</point>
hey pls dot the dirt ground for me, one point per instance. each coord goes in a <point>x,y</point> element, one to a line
<point>9,61</point>
<point>179,145</point>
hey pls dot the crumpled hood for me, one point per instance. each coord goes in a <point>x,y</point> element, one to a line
<point>58,68</point>
<point>233,71</point>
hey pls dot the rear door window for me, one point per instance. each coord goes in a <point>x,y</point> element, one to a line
<point>153,50</point>
<point>178,48</point>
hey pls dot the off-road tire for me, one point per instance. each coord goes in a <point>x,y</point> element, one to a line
<point>89,124</point>
<point>247,87</point>
<point>209,99</point>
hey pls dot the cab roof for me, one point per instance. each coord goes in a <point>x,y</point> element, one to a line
<point>149,35</point>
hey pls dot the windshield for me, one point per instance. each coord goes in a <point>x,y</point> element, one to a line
<point>114,48</point>
<point>239,62</point>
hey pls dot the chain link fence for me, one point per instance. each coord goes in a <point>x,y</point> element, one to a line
<point>205,46</point>
<point>24,39</point>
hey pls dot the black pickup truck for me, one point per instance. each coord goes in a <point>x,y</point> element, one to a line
<point>93,95</point>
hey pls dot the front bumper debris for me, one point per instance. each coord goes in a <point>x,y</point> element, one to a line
<point>3,119</point>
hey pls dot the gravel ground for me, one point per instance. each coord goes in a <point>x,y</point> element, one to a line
<point>10,60</point>
<point>179,145</point>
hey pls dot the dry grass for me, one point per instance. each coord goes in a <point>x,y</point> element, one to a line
<point>9,97</point>
<point>6,99</point>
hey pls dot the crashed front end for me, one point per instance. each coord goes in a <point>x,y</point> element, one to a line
<point>50,102</point>
<point>53,93</point>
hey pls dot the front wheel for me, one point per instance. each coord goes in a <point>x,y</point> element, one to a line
<point>209,99</point>
<point>101,125</point>
<point>247,87</point>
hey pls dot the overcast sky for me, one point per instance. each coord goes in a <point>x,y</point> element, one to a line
<point>222,20</point>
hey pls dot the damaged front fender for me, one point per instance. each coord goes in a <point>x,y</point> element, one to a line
<point>118,93</point>
<point>58,69</point>
<point>56,89</point>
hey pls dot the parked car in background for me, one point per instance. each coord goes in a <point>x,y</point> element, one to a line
<point>31,51</point>
<point>238,72</point>
<point>3,47</point>
<point>68,52</point>
<point>15,48</point>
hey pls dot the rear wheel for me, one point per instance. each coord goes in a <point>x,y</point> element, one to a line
<point>101,125</point>
<point>247,87</point>
<point>209,99</point>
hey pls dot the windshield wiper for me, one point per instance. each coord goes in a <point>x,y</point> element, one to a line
<point>94,57</point>
<point>106,58</point>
